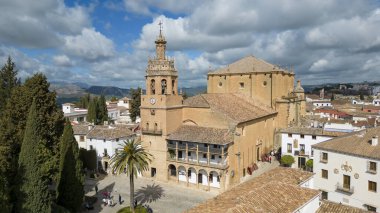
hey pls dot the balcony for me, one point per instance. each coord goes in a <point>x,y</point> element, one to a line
<point>202,148</point>
<point>216,150</point>
<point>172,146</point>
<point>181,146</point>
<point>151,131</point>
<point>345,188</point>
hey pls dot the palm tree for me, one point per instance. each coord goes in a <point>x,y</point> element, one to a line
<point>135,159</point>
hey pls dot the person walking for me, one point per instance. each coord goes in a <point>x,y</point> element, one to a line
<point>96,189</point>
<point>119,199</point>
<point>270,158</point>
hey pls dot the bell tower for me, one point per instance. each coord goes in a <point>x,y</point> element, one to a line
<point>161,108</point>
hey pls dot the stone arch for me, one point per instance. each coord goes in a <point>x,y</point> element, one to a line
<point>214,179</point>
<point>152,86</point>
<point>202,177</point>
<point>172,170</point>
<point>164,86</point>
<point>182,176</point>
<point>192,175</point>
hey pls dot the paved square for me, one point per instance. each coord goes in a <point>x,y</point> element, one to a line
<point>164,197</point>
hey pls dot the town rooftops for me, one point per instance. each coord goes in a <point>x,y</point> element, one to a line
<point>355,143</point>
<point>328,207</point>
<point>248,64</point>
<point>277,190</point>
<point>109,132</point>
<point>81,129</point>
<point>202,135</point>
<point>68,104</point>
<point>312,131</point>
<point>236,107</point>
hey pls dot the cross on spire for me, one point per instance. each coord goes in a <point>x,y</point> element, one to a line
<point>160,23</point>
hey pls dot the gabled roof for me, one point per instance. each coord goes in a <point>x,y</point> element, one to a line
<point>276,190</point>
<point>81,129</point>
<point>202,135</point>
<point>328,206</point>
<point>236,107</point>
<point>109,132</point>
<point>356,143</point>
<point>248,64</point>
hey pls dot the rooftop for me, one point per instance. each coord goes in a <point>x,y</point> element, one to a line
<point>202,135</point>
<point>109,132</point>
<point>355,143</point>
<point>328,206</point>
<point>248,64</point>
<point>274,191</point>
<point>237,108</point>
<point>312,131</point>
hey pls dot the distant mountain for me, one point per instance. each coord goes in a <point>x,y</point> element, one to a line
<point>108,91</point>
<point>194,90</point>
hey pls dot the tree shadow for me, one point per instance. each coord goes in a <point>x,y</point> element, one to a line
<point>96,200</point>
<point>148,194</point>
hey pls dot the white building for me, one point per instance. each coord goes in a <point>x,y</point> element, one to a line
<point>376,102</point>
<point>104,139</point>
<point>322,103</point>
<point>347,169</point>
<point>297,142</point>
<point>74,114</point>
<point>341,126</point>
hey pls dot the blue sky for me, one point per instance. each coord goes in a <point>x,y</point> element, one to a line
<point>108,42</point>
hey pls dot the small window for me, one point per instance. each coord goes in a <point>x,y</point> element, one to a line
<point>325,174</point>
<point>241,85</point>
<point>325,157</point>
<point>213,157</point>
<point>81,138</point>
<point>289,148</point>
<point>314,137</point>
<point>220,84</point>
<point>91,147</point>
<point>204,155</point>
<point>117,139</point>
<point>205,145</point>
<point>324,195</point>
<point>264,83</point>
<point>372,186</point>
<point>215,146</point>
<point>302,147</point>
<point>188,153</point>
<point>104,140</point>
<point>302,136</point>
<point>372,166</point>
<point>290,135</point>
<point>105,152</point>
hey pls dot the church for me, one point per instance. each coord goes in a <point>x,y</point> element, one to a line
<point>213,140</point>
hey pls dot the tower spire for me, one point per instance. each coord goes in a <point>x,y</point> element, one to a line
<point>160,44</point>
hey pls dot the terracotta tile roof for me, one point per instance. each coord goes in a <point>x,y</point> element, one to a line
<point>371,107</point>
<point>280,184</point>
<point>355,143</point>
<point>236,107</point>
<point>248,64</point>
<point>109,132</point>
<point>81,129</point>
<point>202,135</point>
<point>331,207</point>
<point>312,131</point>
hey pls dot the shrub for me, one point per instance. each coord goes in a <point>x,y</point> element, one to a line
<point>287,160</point>
<point>138,209</point>
<point>309,164</point>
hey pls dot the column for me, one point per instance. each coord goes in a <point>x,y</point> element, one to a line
<point>176,150</point>
<point>208,154</point>
<point>197,155</point>
<point>187,155</point>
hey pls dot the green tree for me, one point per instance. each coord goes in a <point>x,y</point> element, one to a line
<point>287,160</point>
<point>33,193</point>
<point>70,179</point>
<point>113,99</point>
<point>84,101</point>
<point>92,115</point>
<point>135,159</point>
<point>309,165</point>
<point>361,96</point>
<point>12,130</point>
<point>135,103</point>
<point>102,113</point>
<point>8,81</point>
<point>184,95</point>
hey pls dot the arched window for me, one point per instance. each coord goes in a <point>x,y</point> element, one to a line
<point>152,86</point>
<point>173,82</point>
<point>163,87</point>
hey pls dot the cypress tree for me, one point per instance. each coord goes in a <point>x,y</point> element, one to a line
<point>70,180</point>
<point>135,103</point>
<point>8,81</point>
<point>33,191</point>
<point>102,109</point>
<point>92,111</point>
<point>12,130</point>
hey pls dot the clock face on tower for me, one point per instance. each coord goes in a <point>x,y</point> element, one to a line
<point>152,100</point>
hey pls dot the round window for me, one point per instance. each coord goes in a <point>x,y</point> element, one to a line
<point>264,83</point>
<point>220,84</point>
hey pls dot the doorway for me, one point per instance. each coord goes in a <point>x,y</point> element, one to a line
<point>153,172</point>
<point>199,178</point>
<point>301,162</point>
<point>258,153</point>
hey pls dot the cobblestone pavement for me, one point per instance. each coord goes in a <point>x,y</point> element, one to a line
<point>168,198</point>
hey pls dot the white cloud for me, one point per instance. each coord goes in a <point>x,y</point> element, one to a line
<point>62,60</point>
<point>319,65</point>
<point>90,45</point>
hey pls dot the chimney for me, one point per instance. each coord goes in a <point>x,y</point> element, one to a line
<point>298,83</point>
<point>375,140</point>
<point>90,126</point>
